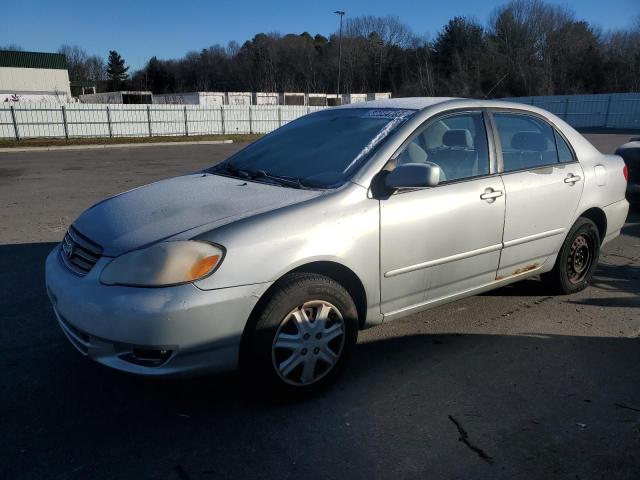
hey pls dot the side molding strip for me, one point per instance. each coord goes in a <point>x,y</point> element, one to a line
<point>473,253</point>
<point>537,236</point>
<point>440,261</point>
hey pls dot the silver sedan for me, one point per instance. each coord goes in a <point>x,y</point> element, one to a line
<point>343,219</point>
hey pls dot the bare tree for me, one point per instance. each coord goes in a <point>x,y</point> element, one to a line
<point>82,66</point>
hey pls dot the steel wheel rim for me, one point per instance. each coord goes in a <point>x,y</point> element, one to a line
<point>308,343</point>
<point>579,259</point>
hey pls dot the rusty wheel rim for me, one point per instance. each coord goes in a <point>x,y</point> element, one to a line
<point>580,259</point>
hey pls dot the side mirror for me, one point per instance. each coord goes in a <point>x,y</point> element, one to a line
<point>413,175</point>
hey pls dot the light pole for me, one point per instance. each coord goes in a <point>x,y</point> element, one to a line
<point>341,14</point>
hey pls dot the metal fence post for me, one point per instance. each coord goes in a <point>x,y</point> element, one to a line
<point>64,122</point>
<point>279,116</point>
<point>186,122</point>
<point>606,115</point>
<point>149,119</point>
<point>222,118</point>
<point>109,122</point>
<point>15,122</point>
<point>250,125</point>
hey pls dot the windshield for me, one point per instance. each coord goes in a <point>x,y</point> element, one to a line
<point>318,150</point>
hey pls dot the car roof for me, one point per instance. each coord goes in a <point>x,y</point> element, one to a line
<point>421,103</point>
<point>414,103</point>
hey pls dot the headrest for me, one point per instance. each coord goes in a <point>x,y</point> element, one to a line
<point>457,138</point>
<point>532,141</point>
<point>416,153</point>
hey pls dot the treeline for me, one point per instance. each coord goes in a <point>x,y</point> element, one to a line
<point>527,47</point>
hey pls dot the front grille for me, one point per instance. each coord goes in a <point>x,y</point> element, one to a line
<point>79,253</point>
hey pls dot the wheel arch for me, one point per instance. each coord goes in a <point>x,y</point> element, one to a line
<point>597,216</point>
<point>334,270</point>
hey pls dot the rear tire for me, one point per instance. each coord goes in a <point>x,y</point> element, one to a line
<point>577,259</point>
<point>303,335</point>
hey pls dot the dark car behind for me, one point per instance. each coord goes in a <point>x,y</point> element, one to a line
<point>630,152</point>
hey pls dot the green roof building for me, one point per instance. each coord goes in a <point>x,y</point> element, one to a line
<point>33,77</point>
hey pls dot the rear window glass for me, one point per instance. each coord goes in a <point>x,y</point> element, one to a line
<point>526,142</point>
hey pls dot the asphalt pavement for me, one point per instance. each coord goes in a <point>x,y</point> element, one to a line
<point>514,383</point>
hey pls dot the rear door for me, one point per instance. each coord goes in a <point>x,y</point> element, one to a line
<point>543,183</point>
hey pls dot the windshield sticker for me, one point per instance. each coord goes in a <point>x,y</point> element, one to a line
<point>382,134</point>
<point>387,113</point>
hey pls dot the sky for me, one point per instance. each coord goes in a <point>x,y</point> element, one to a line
<point>168,29</point>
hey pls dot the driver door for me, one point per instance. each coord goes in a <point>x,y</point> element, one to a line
<point>440,241</point>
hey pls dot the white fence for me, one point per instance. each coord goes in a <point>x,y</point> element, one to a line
<point>30,120</point>
<point>606,110</point>
<point>97,120</point>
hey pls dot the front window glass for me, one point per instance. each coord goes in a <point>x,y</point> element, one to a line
<point>318,150</point>
<point>456,143</point>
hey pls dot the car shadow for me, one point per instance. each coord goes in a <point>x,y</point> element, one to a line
<point>519,399</point>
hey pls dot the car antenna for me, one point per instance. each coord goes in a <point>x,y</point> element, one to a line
<point>496,85</point>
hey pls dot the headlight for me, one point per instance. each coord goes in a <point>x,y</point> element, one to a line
<point>163,264</point>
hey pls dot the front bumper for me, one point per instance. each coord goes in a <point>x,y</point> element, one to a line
<point>150,331</point>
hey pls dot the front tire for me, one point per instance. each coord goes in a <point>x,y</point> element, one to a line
<point>303,334</point>
<point>577,259</point>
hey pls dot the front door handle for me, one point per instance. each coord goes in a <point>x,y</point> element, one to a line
<point>490,195</point>
<point>572,179</point>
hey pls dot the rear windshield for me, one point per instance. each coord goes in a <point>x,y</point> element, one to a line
<point>322,149</point>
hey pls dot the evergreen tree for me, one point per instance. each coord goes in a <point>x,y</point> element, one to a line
<point>116,71</point>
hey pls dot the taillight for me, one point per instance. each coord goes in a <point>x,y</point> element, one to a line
<point>625,172</point>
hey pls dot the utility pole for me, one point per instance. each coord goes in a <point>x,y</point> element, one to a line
<point>341,14</point>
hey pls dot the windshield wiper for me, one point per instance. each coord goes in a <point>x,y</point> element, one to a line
<point>295,182</point>
<point>230,169</point>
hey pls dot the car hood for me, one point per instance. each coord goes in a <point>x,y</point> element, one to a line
<point>179,208</point>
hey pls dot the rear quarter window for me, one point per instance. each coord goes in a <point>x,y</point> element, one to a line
<point>564,152</point>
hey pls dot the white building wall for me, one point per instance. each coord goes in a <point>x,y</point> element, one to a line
<point>190,98</point>
<point>354,97</point>
<point>53,98</point>
<point>239,98</point>
<point>35,81</point>
<point>266,98</point>
<point>211,98</point>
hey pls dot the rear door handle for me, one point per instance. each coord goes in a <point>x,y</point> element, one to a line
<point>571,178</point>
<point>490,195</point>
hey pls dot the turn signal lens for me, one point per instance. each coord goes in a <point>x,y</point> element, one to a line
<point>203,266</point>
<point>625,172</point>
